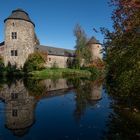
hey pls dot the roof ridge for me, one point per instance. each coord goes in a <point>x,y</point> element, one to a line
<point>55,47</point>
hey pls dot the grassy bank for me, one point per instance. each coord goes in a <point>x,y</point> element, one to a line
<point>60,72</point>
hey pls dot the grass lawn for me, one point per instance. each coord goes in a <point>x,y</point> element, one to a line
<point>60,72</point>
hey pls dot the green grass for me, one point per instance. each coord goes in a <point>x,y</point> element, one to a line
<point>60,72</point>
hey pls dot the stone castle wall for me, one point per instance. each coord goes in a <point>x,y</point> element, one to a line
<point>24,44</point>
<point>2,50</point>
<point>96,51</point>
<point>59,61</point>
<point>19,107</point>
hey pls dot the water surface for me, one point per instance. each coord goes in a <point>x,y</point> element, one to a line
<point>71,109</point>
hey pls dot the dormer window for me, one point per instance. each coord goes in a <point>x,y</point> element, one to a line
<point>14,35</point>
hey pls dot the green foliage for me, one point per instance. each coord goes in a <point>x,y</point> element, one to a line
<point>122,49</point>
<point>70,62</point>
<point>59,73</point>
<point>35,61</point>
<point>73,63</point>
<point>12,70</point>
<point>82,52</point>
<point>35,87</point>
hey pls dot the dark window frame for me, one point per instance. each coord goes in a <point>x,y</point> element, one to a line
<point>14,112</point>
<point>14,95</point>
<point>14,35</point>
<point>14,52</point>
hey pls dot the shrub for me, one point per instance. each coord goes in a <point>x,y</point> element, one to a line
<point>35,61</point>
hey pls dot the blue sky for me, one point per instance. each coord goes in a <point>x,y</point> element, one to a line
<point>56,19</point>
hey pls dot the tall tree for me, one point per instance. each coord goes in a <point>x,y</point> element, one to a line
<point>123,46</point>
<point>82,51</point>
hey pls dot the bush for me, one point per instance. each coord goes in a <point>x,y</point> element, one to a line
<point>34,62</point>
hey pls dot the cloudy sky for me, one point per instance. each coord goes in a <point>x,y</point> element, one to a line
<point>56,19</point>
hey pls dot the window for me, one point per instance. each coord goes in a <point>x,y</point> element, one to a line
<point>14,113</point>
<point>14,53</point>
<point>14,95</point>
<point>14,35</point>
<point>49,59</point>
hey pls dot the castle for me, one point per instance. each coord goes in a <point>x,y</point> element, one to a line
<point>20,41</point>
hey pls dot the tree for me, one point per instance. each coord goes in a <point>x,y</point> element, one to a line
<point>82,52</point>
<point>122,47</point>
<point>35,61</point>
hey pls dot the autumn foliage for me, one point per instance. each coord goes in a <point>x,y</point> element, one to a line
<point>98,63</point>
<point>122,46</point>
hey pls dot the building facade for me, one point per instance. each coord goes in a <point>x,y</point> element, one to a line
<point>20,41</point>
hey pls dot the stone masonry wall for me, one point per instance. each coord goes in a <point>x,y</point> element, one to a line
<point>60,61</point>
<point>24,44</point>
<point>96,51</point>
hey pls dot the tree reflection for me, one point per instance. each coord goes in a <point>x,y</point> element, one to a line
<point>88,93</point>
<point>124,123</point>
<point>21,97</point>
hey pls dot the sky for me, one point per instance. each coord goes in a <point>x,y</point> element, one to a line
<point>55,19</point>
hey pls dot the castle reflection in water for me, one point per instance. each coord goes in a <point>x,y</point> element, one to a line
<point>21,97</point>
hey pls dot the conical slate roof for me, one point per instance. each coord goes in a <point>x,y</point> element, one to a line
<point>93,40</point>
<point>20,15</point>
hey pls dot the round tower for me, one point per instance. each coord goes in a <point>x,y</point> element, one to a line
<point>19,38</point>
<point>95,48</point>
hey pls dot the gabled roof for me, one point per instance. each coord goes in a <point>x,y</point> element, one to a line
<point>20,15</point>
<point>55,51</point>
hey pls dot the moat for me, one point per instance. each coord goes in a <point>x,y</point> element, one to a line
<point>71,109</point>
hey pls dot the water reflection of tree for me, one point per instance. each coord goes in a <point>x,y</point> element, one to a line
<point>82,95</point>
<point>124,123</point>
<point>84,90</point>
<point>35,87</point>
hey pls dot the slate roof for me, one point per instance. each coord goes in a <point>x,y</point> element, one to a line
<point>2,43</point>
<point>55,51</point>
<point>93,40</point>
<point>20,15</point>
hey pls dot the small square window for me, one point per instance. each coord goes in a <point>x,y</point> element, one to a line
<point>14,35</point>
<point>49,59</point>
<point>14,113</point>
<point>14,95</point>
<point>12,52</point>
